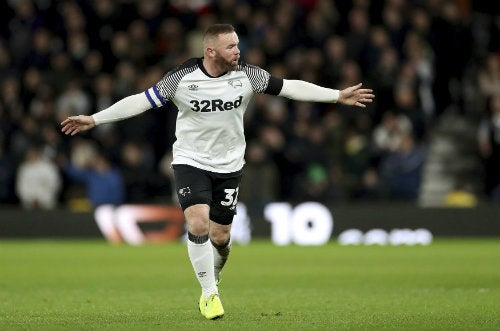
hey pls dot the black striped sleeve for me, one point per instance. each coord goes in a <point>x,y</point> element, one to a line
<point>262,81</point>
<point>167,86</point>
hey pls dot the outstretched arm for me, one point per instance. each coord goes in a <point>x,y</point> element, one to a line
<point>304,91</point>
<point>127,107</point>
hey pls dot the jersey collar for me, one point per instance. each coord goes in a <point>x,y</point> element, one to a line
<point>202,68</point>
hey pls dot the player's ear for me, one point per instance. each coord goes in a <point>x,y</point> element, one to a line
<point>210,51</point>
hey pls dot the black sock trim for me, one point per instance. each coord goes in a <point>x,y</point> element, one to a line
<point>197,239</point>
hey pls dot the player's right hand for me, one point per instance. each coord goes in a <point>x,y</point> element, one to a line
<point>356,96</point>
<point>74,124</point>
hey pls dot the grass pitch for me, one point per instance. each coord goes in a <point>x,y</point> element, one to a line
<point>91,285</point>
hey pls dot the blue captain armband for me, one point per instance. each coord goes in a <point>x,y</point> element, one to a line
<point>154,97</point>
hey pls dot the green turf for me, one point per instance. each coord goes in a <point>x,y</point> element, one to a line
<point>79,285</point>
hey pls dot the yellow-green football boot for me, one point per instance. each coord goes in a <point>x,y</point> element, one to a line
<point>213,307</point>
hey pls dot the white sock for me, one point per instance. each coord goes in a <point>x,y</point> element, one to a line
<point>202,258</point>
<point>221,253</point>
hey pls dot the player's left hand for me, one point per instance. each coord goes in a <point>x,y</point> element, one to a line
<point>356,96</point>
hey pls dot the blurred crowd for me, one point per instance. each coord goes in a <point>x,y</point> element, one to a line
<point>60,58</point>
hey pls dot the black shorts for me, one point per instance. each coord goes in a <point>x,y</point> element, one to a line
<point>218,190</point>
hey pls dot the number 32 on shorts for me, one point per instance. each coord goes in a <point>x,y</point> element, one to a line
<point>231,197</point>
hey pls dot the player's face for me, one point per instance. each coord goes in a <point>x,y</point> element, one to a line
<point>227,52</point>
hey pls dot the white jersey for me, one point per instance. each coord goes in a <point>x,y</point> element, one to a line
<point>209,129</point>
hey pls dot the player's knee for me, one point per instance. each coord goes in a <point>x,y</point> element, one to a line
<point>197,219</point>
<point>198,228</point>
<point>220,240</point>
<point>197,225</point>
<point>220,235</point>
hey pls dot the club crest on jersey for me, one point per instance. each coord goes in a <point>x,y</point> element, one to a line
<point>235,83</point>
<point>185,191</point>
<point>193,87</point>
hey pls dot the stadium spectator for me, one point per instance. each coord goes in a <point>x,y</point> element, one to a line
<point>335,127</point>
<point>24,135</point>
<point>451,40</point>
<point>384,74</point>
<point>419,54</point>
<point>94,67</point>
<point>489,78</point>
<point>41,50</point>
<point>103,182</point>
<point>358,33</point>
<point>401,170</point>
<point>42,105</point>
<point>386,135</point>
<point>335,56</point>
<point>11,102</point>
<point>38,181</point>
<point>407,104</point>
<point>124,79</point>
<point>260,185</point>
<point>32,80</point>
<point>370,188</point>
<point>52,143</point>
<point>314,182</point>
<point>355,158</point>
<point>142,182</point>
<point>73,100</point>
<point>393,19</point>
<point>377,43</point>
<point>62,69</point>
<point>273,140</point>
<point>103,96</point>
<point>20,28</point>
<point>142,47</point>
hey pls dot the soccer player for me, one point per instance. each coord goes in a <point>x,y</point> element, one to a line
<point>212,93</point>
